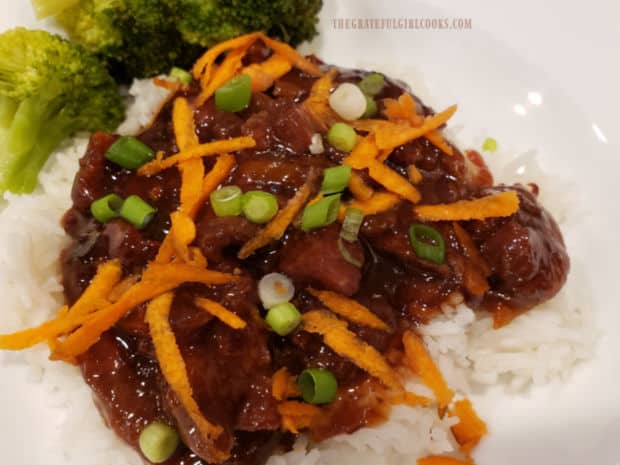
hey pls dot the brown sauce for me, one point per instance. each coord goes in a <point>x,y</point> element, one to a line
<point>230,370</point>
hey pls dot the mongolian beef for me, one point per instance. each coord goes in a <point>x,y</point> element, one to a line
<point>254,264</point>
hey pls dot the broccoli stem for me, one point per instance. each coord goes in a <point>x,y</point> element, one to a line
<point>8,107</point>
<point>26,125</point>
<point>24,175</point>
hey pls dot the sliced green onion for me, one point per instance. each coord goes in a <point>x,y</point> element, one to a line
<point>258,206</point>
<point>274,289</point>
<point>106,208</point>
<point>226,201</point>
<point>181,75</point>
<point>342,136</point>
<point>158,442</point>
<point>283,318</point>
<point>129,153</point>
<point>489,144</point>
<point>320,214</point>
<point>335,179</point>
<point>235,95</point>
<point>427,243</point>
<point>351,225</point>
<point>137,212</point>
<point>318,386</point>
<point>347,255</point>
<point>371,107</point>
<point>372,84</point>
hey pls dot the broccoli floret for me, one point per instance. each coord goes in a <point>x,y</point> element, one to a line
<point>207,22</point>
<point>138,38</point>
<point>142,38</point>
<point>49,89</point>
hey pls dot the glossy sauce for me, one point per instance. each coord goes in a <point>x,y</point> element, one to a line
<point>230,370</point>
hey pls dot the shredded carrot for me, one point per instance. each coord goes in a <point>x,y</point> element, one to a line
<point>470,429</point>
<point>182,233</point>
<point>411,399</point>
<point>221,313</point>
<point>172,86</point>
<point>379,202</point>
<point>364,152</point>
<point>414,175</point>
<point>175,372</point>
<point>220,171</point>
<point>349,309</point>
<point>204,65</point>
<point>421,363</point>
<point>122,287</point>
<point>360,190</point>
<point>284,385</point>
<point>192,171</point>
<point>438,460</point>
<point>198,151</point>
<point>197,258</point>
<point>288,52</point>
<point>94,297</point>
<point>156,280</point>
<point>277,226</point>
<point>264,74</point>
<point>492,206</point>
<point>224,73</point>
<point>476,268</point>
<point>402,110</point>
<point>393,181</point>
<point>183,123</point>
<point>347,344</point>
<point>297,415</point>
<point>391,137</point>
<point>317,103</point>
<point>435,138</point>
<point>316,199</point>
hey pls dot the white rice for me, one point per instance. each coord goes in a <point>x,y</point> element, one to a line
<point>542,345</point>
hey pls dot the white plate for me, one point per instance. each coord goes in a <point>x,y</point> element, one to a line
<point>535,77</point>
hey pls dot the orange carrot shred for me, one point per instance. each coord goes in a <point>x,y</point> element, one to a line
<point>379,202</point>
<point>156,280</point>
<point>221,313</point>
<point>402,110</point>
<point>349,309</point>
<point>290,54</point>
<point>435,138</point>
<point>492,206</point>
<point>220,171</point>
<point>67,319</point>
<point>264,74</point>
<point>175,372</point>
<point>192,171</point>
<point>297,415</point>
<point>172,86</point>
<point>364,152</point>
<point>392,137</point>
<point>204,65</point>
<point>360,190</point>
<point>277,226</point>
<point>348,345</point>
<point>198,151</point>
<point>411,399</point>
<point>421,363</point>
<point>224,73</point>
<point>470,429</point>
<point>284,385</point>
<point>393,181</point>
<point>438,460</point>
<point>182,233</point>
<point>317,103</point>
<point>414,175</point>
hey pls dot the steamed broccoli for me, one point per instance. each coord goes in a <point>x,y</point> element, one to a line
<point>141,38</point>
<point>207,22</point>
<point>49,89</point>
